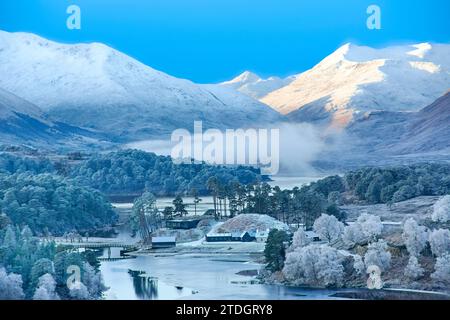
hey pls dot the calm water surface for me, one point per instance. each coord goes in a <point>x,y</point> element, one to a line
<point>193,276</point>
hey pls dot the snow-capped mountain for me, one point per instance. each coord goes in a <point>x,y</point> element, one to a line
<point>11,107</point>
<point>355,79</point>
<point>428,130</point>
<point>391,138</point>
<point>24,123</point>
<point>400,133</point>
<point>95,86</point>
<point>254,86</point>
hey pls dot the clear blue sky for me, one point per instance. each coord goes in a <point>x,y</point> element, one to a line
<point>213,40</point>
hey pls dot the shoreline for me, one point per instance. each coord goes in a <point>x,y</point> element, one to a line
<point>353,293</point>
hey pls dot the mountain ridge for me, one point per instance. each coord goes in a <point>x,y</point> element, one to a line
<point>24,123</point>
<point>356,79</point>
<point>254,86</point>
<point>100,88</point>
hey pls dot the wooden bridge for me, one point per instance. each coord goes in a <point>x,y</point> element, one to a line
<point>126,246</point>
<point>100,245</point>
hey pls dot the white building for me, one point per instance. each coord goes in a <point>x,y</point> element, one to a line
<point>311,235</point>
<point>261,236</point>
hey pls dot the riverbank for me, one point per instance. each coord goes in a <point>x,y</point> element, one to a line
<point>203,276</point>
<point>392,294</point>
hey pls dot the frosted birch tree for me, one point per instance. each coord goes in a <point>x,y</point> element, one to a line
<point>441,210</point>
<point>371,226</point>
<point>46,289</point>
<point>442,269</point>
<point>413,270</point>
<point>299,239</point>
<point>378,255</point>
<point>10,286</point>
<point>358,264</point>
<point>328,228</point>
<point>79,292</point>
<point>414,236</point>
<point>315,265</point>
<point>367,228</point>
<point>440,242</point>
<point>93,280</point>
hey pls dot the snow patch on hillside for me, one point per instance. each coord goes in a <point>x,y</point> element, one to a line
<point>254,86</point>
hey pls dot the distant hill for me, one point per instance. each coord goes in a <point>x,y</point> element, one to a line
<point>402,133</point>
<point>24,123</point>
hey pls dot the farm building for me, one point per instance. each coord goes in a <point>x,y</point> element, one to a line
<point>163,242</point>
<point>182,223</point>
<point>242,236</point>
<point>230,237</point>
<point>218,237</point>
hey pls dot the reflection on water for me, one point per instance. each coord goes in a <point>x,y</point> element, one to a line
<point>147,287</point>
<point>111,253</point>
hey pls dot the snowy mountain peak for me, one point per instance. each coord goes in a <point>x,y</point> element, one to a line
<point>421,50</point>
<point>337,56</point>
<point>252,85</point>
<point>356,79</point>
<point>94,86</point>
<point>243,78</point>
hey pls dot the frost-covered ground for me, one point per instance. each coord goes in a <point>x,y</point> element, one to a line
<point>408,243</point>
<point>418,208</point>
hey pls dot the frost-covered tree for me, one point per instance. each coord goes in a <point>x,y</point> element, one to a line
<point>414,236</point>
<point>378,255</point>
<point>46,289</point>
<point>328,227</point>
<point>40,268</point>
<point>41,293</point>
<point>300,239</point>
<point>440,241</point>
<point>353,235</point>
<point>441,210</point>
<point>10,286</point>
<point>366,228</point>
<point>315,265</point>
<point>79,292</point>
<point>93,281</point>
<point>413,269</point>
<point>371,226</point>
<point>358,264</point>
<point>442,269</point>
